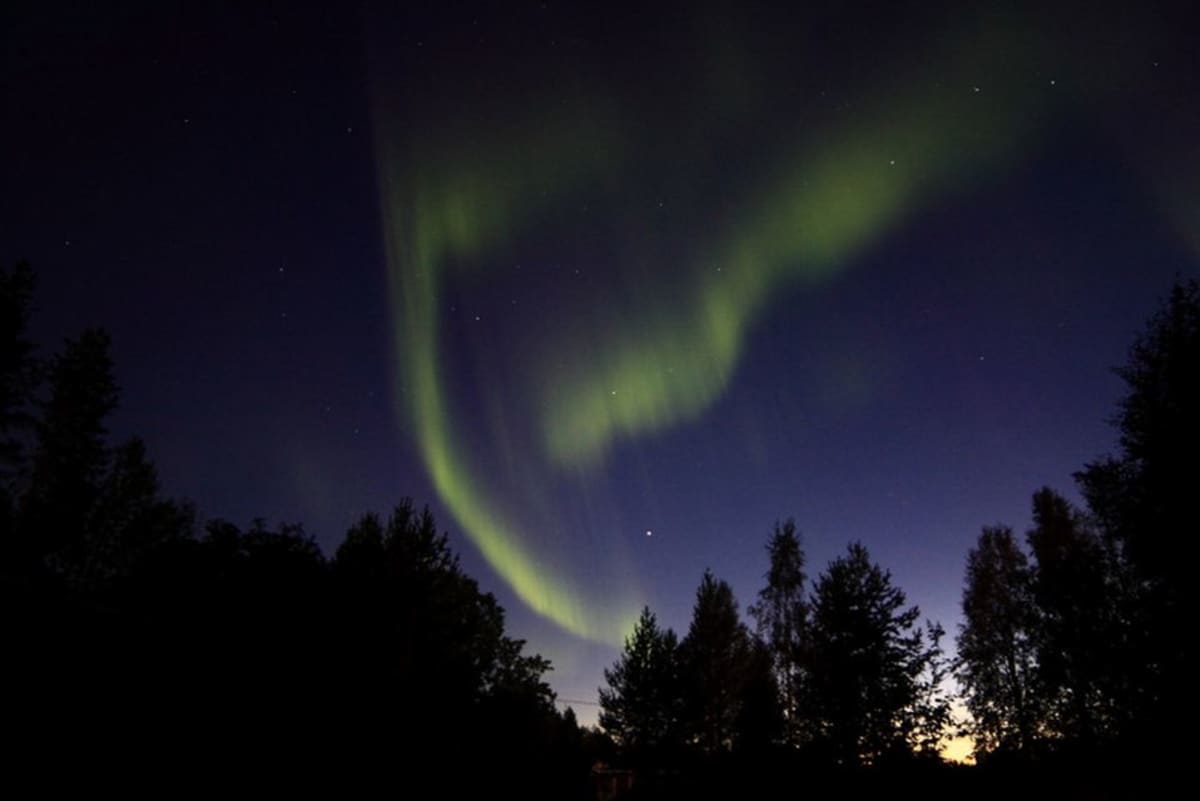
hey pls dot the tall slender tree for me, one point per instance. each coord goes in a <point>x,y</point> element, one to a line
<point>997,644</point>
<point>782,617</point>
<point>714,657</point>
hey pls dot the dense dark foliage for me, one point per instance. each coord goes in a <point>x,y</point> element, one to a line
<point>139,642</point>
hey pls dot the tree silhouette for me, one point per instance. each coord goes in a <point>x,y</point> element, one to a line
<point>1141,499</point>
<point>640,707</point>
<point>782,617</point>
<point>760,724</point>
<point>71,454</point>
<point>1079,630</point>
<point>128,522</point>
<point>714,657</point>
<point>1050,655</point>
<point>1143,495</point>
<point>873,675</point>
<point>997,645</point>
<point>420,630</point>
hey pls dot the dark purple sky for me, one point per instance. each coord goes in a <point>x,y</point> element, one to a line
<point>571,276</point>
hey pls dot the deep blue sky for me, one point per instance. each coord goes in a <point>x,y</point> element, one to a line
<point>207,184</point>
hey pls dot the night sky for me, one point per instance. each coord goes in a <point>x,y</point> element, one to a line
<point>611,290</point>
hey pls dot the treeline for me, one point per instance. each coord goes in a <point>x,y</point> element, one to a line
<point>1070,659</point>
<point>840,675</point>
<point>1074,645</point>
<point>144,643</point>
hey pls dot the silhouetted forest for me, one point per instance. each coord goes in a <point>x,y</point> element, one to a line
<point>1070,660</point>
<point>141,643</point>
<point>144,643</point>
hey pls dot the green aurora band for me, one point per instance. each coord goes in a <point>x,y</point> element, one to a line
<point>445,208</point>
<point>827,207</point>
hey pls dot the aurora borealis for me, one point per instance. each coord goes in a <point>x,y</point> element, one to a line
<point>650,357</point>
<point>571,274</point>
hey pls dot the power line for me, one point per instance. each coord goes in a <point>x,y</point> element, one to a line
<point>576,701</point>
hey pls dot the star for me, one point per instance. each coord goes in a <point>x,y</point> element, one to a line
<point>649,532</point>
